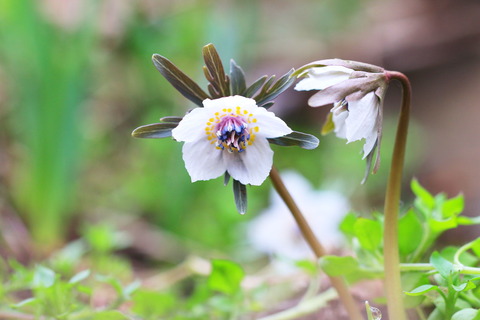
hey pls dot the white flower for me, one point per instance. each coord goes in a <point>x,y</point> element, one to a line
<point>357,97</point>
<point>229,135</point>
<point>275,232</point>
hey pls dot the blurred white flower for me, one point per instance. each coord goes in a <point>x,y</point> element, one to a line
<point>229,135</point>
<point>357,91</point>
<point>275,232</point>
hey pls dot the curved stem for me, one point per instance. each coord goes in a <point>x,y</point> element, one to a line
<point>337,282</point>
<point>396,310</point>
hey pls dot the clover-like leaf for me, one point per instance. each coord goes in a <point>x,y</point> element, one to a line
<point>179,80</point>
<point>303,140</point>
<point>240,195</point>
<point>214,72</point>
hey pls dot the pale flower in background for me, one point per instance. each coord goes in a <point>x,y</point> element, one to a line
<point>357,91</point>
<point>229,135</point>
<point>275,232</point>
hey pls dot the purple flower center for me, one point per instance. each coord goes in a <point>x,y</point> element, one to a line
<point>232,133</point>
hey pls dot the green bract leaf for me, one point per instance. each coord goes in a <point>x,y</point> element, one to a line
<point>469,285</point>
<point>43,277</point>
<point>303,140</point>
<point>453,206</point>
<point>180,81</point>
<point>240,195</point>
<point>219,82</point>
<point>225,277</point>
<point>369,233</point>
<point>328,125</point>
<point>338,266</point>
<point>269,93</point>
<point>237,78</point>
<point>442,265</point>
<point>82,275</point>
<point>410,233</point>
<point>467,314</point>
<point>421,290</point>
<point>250,91</point>
<point>424,197</point>
<point>155,130</point>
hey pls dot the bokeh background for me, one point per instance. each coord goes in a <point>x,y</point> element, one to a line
<point>76,78</point>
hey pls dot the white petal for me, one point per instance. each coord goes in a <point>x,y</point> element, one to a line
<point>323,77</point>
<point>202,160</point>
<point>338,119</point>
<point>362,117</point>
<point>192,126</point>
<point>251,166</point>
<point>269,125</point>
<point>230,102</point>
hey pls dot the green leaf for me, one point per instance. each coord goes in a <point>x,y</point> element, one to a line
<point>276,89</point>
<point>423,195</point>
<point>469,285</point>
<point>476,247</point>
<point>453,206</point>
<point>308,265</point>
<point>155,130</point>
<point>369,233</point>
<point>82,275</point>
<point>250,91</point>
<point>24,302</point>
<point>442,265</point>
<point>152,304</point>
<point>219,82</point>
<point>237,78</point>
<point>328,125</point>
<point>347,226</point>
<point>171,119</point>
<point>418,291</point>
<point>226,276</point>
<point>338,266</point>
<point>180,81</point>
<point>109,315</point>
<point>240,195</point>
<point>467,314</point>
<point>43,277</point>
<point>303,140</point>
<point>410,232</point>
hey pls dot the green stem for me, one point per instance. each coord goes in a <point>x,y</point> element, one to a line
<point>414,267</point>
<point>337,282</point>
<point>393,287</point>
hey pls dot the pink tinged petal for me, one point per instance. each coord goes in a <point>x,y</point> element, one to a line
<point>251,166</point>
<point>269,125</point>
<point>323,77</point>
<point>192,126</point>
<point>362,120</point>
<point>202,160</point>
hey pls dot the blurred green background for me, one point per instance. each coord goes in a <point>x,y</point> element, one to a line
<point>76,78</point>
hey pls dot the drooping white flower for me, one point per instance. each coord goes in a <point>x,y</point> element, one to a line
<point>229,135</point>
<point>275,232</point>
<point>357,92</point>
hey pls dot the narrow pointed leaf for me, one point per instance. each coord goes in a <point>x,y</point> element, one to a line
<point>155,130</point>
<point>275,90</point>
<point>237,78</point>
<point>240,195</point>
<point>171,119</point>
<point>303,140</point>
<point>179,80</point>
<point>226,178</point>
<point>250,91</point>
<point>214,71</point>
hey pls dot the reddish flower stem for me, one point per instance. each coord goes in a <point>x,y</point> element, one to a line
<point>393,286</point>
<point>337,282</point>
